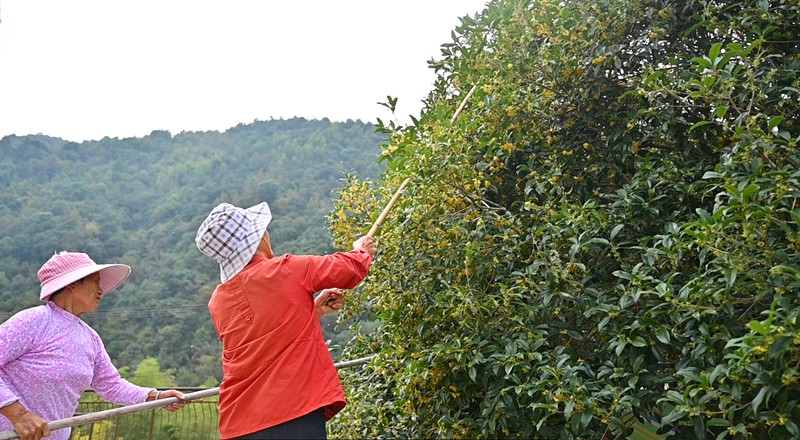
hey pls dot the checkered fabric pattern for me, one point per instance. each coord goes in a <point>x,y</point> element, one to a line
<point>230,235</point>
<point>65,268</point>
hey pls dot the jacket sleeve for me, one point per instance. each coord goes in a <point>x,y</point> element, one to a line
<point>109,384</point>
<point>342,269</point>
<point>16,339</point>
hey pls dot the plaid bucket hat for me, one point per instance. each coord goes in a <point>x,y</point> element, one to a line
<point>64,268</point>
<point>230,235</point>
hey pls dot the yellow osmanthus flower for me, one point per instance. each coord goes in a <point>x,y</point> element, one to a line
<point>454,391</point>
<point>511,111</point>
<point>585,145</point>
<point>636,146</point>
<point>391,149</point>
<point>542,30</point>
<point>599,60</point>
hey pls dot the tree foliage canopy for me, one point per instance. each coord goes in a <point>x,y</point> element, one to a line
<point>608,231</point>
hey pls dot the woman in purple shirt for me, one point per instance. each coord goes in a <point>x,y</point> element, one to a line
<point>49,356</point>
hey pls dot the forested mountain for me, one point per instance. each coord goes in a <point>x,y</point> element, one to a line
<point>139,201</point>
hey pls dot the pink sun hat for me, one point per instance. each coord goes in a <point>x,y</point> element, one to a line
<point>64,268</point>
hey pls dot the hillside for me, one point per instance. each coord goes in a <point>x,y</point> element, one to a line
<point>139,201</point>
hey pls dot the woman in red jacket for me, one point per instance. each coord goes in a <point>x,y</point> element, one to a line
<point>279,380</point>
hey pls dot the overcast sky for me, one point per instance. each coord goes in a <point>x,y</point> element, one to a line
<point>86,69</point>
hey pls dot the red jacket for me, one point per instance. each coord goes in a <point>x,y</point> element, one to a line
<point>276,365</point>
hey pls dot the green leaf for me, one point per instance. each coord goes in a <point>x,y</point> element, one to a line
<point>620,347</point>
<point>704,215</point>
<point>568,408</point>
<point>774,122</point>
<point>713,53</point>
<point>699,124</point>
<point>662,334</point>
<point>717,370</point>
<point>781,345</point>
<point>622,274</point>
<point>699,427</point>
<point>758,327</point>
<point>730,276</point>
<point>616,230</point>
<point>759,398</point>
<point>586,417</point>
<point>674,415</point>
<point>702,62</point>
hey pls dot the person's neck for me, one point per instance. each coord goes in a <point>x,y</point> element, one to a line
<point>266,253</point>
<point>64,303</point>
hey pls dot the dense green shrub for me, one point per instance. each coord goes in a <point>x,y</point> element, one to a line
<point>608,231</point>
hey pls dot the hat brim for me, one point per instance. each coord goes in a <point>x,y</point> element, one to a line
<point>260,216</point>
<point>111,276</point>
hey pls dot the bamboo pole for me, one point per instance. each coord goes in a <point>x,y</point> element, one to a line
<point>388,207</point>
<point>154,404</point>
<point>463,103</point>
<point>354,362</point>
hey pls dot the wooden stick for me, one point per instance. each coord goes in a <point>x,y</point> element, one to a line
<point>463,103</point>
<point>388,207</point>
<point>354,362</point>
<point>154,404</point>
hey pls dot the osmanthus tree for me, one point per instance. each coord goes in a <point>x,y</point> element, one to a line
<point>606,233</point>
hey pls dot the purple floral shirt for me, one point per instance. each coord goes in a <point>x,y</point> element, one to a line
<point>48,357</point>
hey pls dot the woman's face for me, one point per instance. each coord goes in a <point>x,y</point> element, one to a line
<point>86,295</point>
